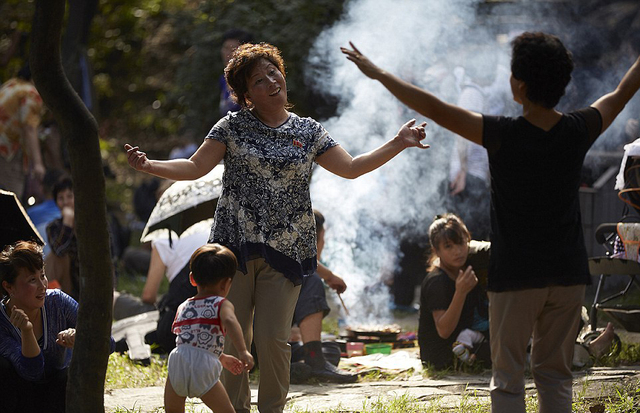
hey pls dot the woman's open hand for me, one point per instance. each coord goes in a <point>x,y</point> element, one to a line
<point>411,135</point>
<point>364,64</point>
<point>67,338</point>
<point>137,159</point>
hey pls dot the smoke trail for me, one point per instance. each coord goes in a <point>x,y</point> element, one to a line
<point>421,42</point>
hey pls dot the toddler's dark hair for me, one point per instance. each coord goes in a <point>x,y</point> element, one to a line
<point>211,263</point>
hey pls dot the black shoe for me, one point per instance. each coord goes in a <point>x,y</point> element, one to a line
<point>332,374</point>
<point>299,373</point>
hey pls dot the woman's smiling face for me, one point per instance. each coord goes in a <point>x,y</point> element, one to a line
<point>28,290</point>
<point>266,86</point>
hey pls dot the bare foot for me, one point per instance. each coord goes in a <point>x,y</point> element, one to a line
<point>601,344</point>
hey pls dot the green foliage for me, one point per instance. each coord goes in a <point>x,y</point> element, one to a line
<point>291,25</point>
<point>15,21</point>
<point>156,63</point>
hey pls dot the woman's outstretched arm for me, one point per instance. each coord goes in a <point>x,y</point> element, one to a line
<point>340,162</point>
<point>208,155</point>
<point>460,121</point>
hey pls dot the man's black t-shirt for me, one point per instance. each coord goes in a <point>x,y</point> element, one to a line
<point>537,239</point>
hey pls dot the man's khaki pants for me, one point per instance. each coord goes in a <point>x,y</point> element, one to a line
<point>552,315</point>
<point>264,302</point>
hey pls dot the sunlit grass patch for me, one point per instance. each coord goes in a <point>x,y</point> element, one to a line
<point>123,373</point>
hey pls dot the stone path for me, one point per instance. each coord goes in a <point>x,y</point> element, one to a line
<point>447,392</point>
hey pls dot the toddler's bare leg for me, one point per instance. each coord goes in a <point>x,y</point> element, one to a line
<point>173,402</point>
<point>217,399</point>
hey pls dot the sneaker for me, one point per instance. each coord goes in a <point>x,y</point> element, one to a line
<point>462,352</point>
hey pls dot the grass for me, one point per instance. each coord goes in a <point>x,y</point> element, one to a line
<point>624,397</point>
<point>590,398</point>
<point>122,373</point>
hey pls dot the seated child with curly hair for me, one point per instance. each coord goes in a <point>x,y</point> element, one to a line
<point>200,325</point>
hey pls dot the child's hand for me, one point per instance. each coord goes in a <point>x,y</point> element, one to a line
<point>466,280</point>
<point>247,359</point>
<point>20,319</point>
<point>232,364</point>
<point>67,338</point>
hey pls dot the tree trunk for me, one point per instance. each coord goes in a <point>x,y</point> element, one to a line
<point>85,387</point>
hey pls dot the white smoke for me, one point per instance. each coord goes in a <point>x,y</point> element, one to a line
<point>421,42</point>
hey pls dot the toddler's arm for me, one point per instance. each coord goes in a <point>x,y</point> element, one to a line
<point>234,331</point>
<point>231,363</point>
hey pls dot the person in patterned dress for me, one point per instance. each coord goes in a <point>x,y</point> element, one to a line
<point>201,324</point>
<point>264,214</point>
<point>20,112</point>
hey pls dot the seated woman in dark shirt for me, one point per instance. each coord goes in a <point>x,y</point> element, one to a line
<point>37,333</point>
<point>453,304</point>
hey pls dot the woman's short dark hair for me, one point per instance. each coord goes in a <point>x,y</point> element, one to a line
<point>542,62</point>
<point>211,263</point>
<point>244,60</point>
<point>19,255</point>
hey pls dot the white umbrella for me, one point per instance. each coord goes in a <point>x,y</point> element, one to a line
<point>184,204</point>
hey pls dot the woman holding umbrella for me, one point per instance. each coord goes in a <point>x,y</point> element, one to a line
<point>264,214</point>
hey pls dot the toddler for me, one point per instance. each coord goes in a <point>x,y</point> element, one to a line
<point>200,325</point>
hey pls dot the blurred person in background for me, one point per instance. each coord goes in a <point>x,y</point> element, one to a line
<point>20,114</point>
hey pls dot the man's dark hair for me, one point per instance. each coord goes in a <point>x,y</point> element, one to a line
<point>542,62</point>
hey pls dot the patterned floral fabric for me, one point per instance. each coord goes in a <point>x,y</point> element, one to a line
<point>197,324</point>
<point>265,207</point>
<point>20,104</point>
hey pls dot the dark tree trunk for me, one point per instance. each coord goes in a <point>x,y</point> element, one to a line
<point>85,387</point>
